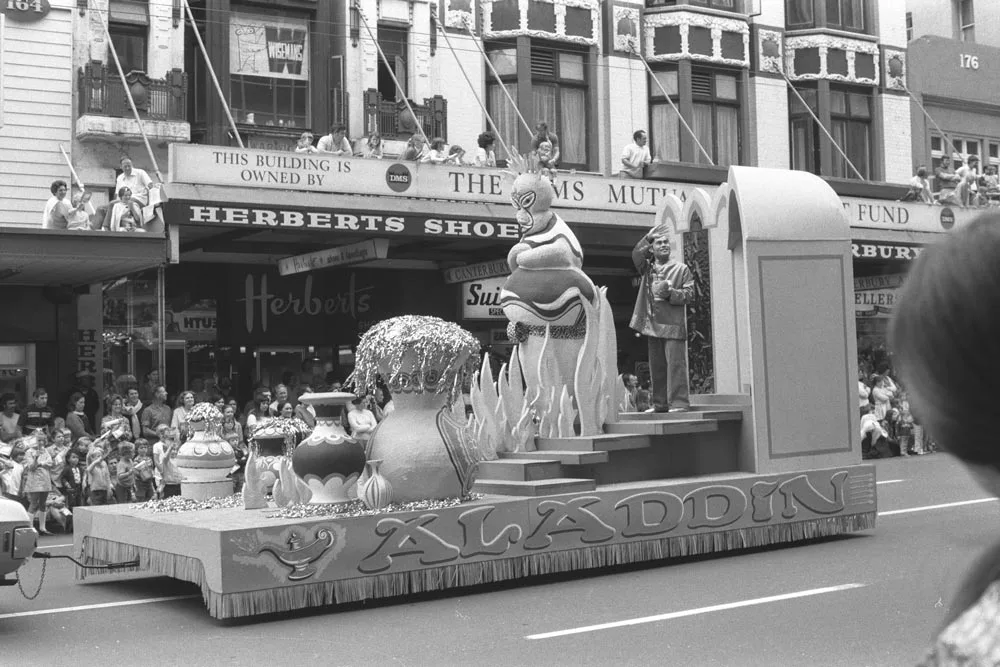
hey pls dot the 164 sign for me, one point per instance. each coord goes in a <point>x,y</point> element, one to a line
<point>26,11</point>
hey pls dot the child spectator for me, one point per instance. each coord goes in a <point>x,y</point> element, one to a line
<point>124,473</point>
<point>72,480</point>
<point>437,154</point>
<point>456,155</point>
<point>416,149</point>
<point>373,146</point>
<point>545,153</point>
<point>305,144</point>
<point>60,448</point>
<point>79,216</point>
<point>98,476</point>
<point>542,135</point>
<point>484,156</point>
<point>144,468</point>
<point>37,480</point>
<point>171,476</point>
<point>55,508</point>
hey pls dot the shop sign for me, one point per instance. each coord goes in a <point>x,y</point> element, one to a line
<point>268,46</point>
<point>481,299</point>
<point>247,168</point>
<point>880,251</point>
<point>354,253</point>
<point>26,11</point>
<point>904,216</point>
<point>341,220</point>
<point>875,296</point>
<point>461,274</point>
<point>191,324</point>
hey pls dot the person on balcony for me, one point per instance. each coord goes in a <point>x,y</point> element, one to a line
<point>79,217</point>
<point>542,134</point>
<point>336,142</point>
<point>636,157</point>
<point>373,146</point>
<point>136,180</point>
<point>485,155</point>
<point>416,149</point>
<point>946,180</point>
<point>305,144</point>
<point>406,122</point>
<point>456,155</point>
<point>59,189</point>
<point>66,215</point>
<point>437,153</point>
<point>126,213</point>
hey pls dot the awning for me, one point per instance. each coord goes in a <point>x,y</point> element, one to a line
<point>42,257</point>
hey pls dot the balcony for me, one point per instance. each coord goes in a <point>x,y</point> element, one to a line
<point>384,116</point>
<point>105,114</point>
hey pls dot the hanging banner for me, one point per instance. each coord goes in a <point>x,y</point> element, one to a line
<point>461,274</point>
<point>276,47</point>
<point>875,296</point>
<point>355,253</point>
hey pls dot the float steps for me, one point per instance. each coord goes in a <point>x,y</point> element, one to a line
<point>677,426</point>
<point>564,456</point>
<point>519,469</point>
<point>605,442</point>
<point>706,413</point>
<point>543,487</point>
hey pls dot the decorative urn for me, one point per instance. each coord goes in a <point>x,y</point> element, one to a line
<point>206,459</point>
<point>329,461</point>
<point>271,442</point>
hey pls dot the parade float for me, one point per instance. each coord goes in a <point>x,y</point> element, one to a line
<point>550,474</point>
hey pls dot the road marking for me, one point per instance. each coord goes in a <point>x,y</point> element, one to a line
<point>105,605</point>
<point>54,546</point>
<point>939,507</point>
<point>890,481</point>
<point>694,612</point>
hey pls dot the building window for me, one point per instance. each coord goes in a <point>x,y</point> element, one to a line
<point>909,26</point>
<point>130,44</point>
<point>851,127</point>
<point>725,5</point>
<point>559,99</point>
<point>665,127</point>
<point>835,14</point>
<point>804,131</point>
<point>716,117</point>
<point>504,60</point>
<point>269,70</point>
<point>961,149</point>
<point>394,43</point>
<point>966,21</point>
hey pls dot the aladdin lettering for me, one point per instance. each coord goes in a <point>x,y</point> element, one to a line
<point>353,302</point>
<point>590,520</point>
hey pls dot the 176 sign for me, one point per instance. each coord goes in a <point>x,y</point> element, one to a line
<point>26,11</point>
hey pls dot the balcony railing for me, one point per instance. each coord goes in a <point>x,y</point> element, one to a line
<point>385,116</point>
<point>102,94</point>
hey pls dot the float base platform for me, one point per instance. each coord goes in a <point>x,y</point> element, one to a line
<point>250,562</point>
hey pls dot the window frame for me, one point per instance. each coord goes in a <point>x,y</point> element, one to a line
<point>237,82</point>
<point>849,118</point>
<point>715,102</point>
<point>803,118</point>
<point>401,56</point>
<point>909,27</point>
<point>820,18</point>
<point>559,83</point>
<point>656,98</point>
<point>739,6</point>
<point>966,31</point>
<point>129,30</point>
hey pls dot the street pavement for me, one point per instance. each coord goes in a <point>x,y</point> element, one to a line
<point>875,599</point>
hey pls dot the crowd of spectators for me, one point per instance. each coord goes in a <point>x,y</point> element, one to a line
<point>52,460</point>
<point>956,183</point>
<point>888,427</point>
<point>134,209</point>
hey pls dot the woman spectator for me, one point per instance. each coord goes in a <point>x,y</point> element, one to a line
<point>76,419</point>
<point>185,403</point>
<point>883,391</point>
<point>117,420</point>
<point>944,338</point>
<point>361,419</point>
<point>373,146</point>
<point>383,405</point>
<point>305,144</point>
<point>230,426</point>
<point>38,478</point>
<point>437,153</point>
<point>126,214</point>
<point>285,410</point>
<point>484,156</point>
<point>260,413</point>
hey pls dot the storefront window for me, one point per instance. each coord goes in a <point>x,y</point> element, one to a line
<point>269,68</point>
<point>133,331</point>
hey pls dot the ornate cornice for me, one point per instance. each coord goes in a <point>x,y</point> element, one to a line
<point>769,49</point>
<point>461,17</point>
<point>824,43</point>
<point>486,6</point>
<point>895,69</point>
<point>684,20</point>
<point>626,41</point>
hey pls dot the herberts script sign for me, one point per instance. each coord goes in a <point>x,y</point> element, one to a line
<point>214,165</point>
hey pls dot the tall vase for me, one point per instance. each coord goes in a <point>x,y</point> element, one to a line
<point>374,489</point>
<point>204,461</point>
<point>425,451</point>
<point>329,461</point>
<point>270,447</point>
